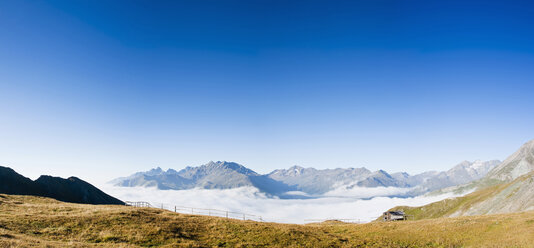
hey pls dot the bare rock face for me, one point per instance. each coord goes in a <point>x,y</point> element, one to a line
<point>516,165</point>
<point>517,196</point>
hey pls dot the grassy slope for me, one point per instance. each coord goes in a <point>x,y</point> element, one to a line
<point>447,207</point>
<point>33,221</point>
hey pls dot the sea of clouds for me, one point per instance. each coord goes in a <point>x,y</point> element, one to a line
<point>356,204</point>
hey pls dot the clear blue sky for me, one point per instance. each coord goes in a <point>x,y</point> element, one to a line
<point>100,89</point>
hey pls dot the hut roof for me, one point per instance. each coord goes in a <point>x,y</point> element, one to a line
<point>396,212</point>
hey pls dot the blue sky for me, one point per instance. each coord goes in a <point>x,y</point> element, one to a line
<point>100,89</point>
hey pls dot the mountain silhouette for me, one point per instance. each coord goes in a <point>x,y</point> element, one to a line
<point>71,189</point>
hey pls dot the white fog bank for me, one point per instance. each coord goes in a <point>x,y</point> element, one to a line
<point>335,205</point>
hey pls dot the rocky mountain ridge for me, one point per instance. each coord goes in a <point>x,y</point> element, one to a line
<point>227,175</point>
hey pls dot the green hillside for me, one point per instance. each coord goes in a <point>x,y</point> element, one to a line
<point>450,206</point>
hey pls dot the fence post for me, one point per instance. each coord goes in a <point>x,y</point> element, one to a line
<point>227,214</point>
<point>243,216</point>
<point>175,209</point>
<point>192,210</point>
<point>209,212</point>
<point>162,206</point>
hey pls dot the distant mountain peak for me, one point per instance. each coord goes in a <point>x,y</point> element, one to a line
<point>155,171</point>
<point>465,163</point>
<point>231,166</point>
<point>295,170</point>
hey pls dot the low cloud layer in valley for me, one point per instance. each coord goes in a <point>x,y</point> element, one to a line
<point>356,204</point>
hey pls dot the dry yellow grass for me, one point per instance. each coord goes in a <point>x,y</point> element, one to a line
<point>27,221</point>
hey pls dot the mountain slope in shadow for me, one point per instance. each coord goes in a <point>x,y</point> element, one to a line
<point>72,189</point>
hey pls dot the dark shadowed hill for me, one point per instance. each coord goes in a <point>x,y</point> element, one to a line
<point>13,183</point>
<point>68,190</point>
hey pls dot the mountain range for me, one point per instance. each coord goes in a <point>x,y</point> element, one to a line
<point>227,175</point>
<point>506,188</point>
<point>213,175</point>
<point>71,189</point>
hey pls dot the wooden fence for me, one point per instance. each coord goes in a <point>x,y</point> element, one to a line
<point>198,211</point>
<point>138,204</point>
